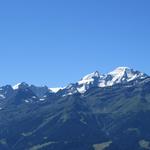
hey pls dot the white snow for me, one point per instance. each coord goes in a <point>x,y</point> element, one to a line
<point>122,74</point>
<point>27,101</point>
<point>82,89</point>
<point>119,75</point>
<point>34,97</point>
<point>15,87</point>
<point>42,99</point>
<point>2,96</point>
<point>55,90</point>
<point>89,78</point>
<point>95,79</point>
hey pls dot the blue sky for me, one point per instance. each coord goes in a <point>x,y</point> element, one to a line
<point>55,42</point>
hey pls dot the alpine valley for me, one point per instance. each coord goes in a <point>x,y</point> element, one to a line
<point>99,112</point>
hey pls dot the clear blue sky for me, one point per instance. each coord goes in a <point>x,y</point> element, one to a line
<point>55,42</point>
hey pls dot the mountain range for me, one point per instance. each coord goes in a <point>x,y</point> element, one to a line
<point>99,112</point>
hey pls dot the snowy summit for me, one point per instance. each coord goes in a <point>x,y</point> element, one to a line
<point>95,79</point>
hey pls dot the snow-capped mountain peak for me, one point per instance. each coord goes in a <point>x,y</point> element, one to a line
<point>91,75</point>
<point>20,85</point>
<point>119,71</point>
<point>124,74</point>
<point>15,87</point>
<point>55,90</point>
<point>119,75</point>
<point>87,81</point>
<point>89,78</point>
